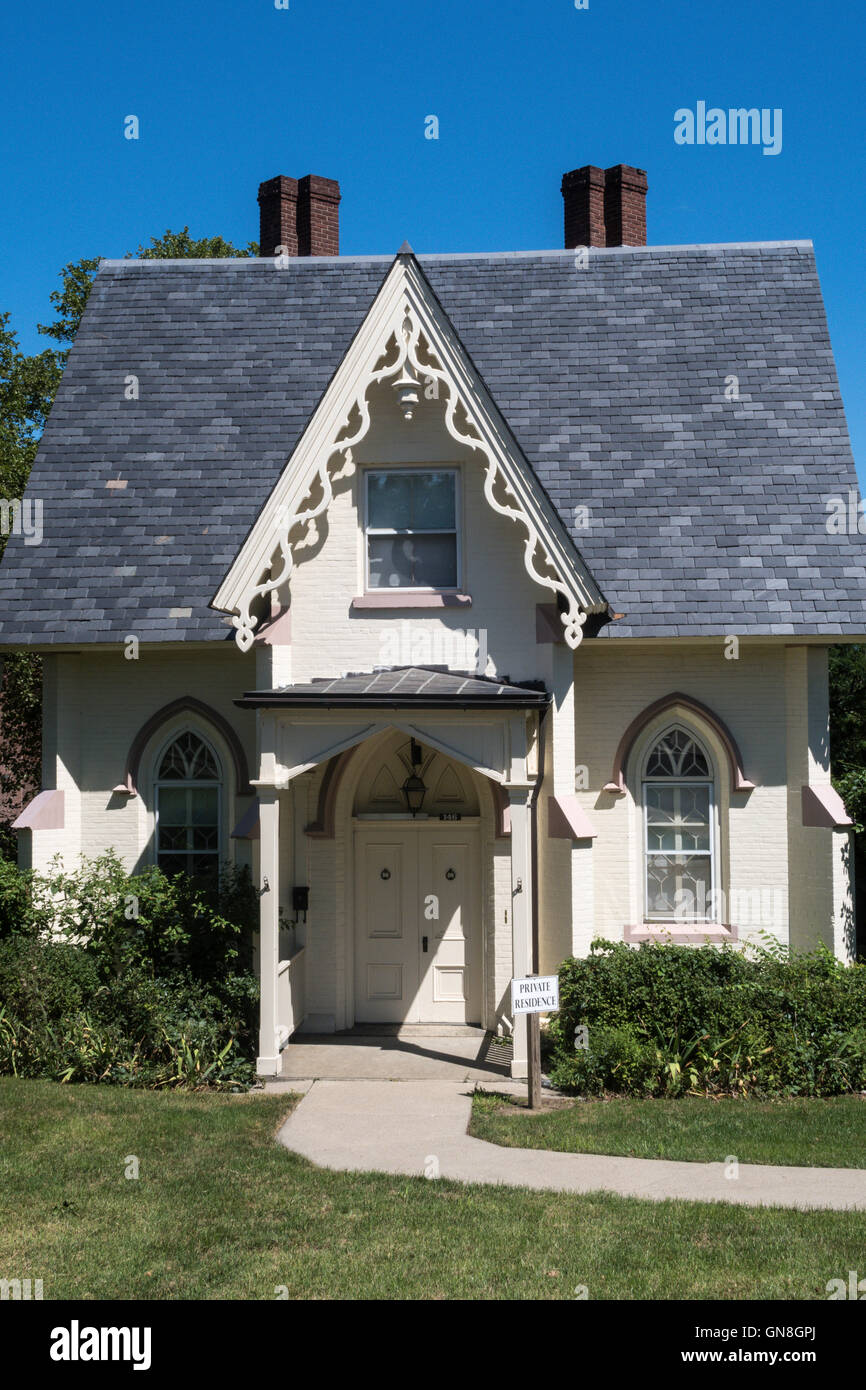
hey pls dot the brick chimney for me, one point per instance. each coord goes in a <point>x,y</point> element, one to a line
<point>605,207</point>
<point>303,215</point>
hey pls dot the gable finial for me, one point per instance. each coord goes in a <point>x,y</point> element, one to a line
<point>405,250</point>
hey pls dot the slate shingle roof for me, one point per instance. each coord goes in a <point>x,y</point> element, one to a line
<point>705,515</point>
<point>401,685</point>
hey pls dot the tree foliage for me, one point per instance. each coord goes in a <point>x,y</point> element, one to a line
<point>181,246</point>
<point>27,388</point>
<point>76,283</point>
<point>848,729</point>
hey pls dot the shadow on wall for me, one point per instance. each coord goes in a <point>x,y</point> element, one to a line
<point>855,918</point>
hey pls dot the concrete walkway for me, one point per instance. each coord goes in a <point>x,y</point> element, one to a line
<point>419,1128</point>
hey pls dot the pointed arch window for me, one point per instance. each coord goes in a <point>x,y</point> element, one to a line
<point>679,829</point>
<point>188,795</point>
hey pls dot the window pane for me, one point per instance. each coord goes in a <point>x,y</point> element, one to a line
<point>416,501</point>
<point>678,886</point>
<point>171,837</point>
<point>172,806</point>
<point>677,818</point>
<point>677,755</point>
<point>433,502</point>
<point>188,822</point>
<point>204,867</point>
<point>204,803</point>
<point>436,561</point>
<point>405,562</point>
<point>389,500</point>
<point>172,864</point>
<point>188,759</point>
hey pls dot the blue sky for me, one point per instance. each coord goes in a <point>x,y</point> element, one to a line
<point>231,92</point>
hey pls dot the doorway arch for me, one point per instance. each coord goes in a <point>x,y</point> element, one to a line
<point>369,821</point>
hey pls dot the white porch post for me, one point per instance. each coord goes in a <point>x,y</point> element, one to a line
<point>521,912</point>
<point>268,1062</point>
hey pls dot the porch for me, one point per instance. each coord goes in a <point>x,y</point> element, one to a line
<point>395,1052</point>
<point>383,913</point>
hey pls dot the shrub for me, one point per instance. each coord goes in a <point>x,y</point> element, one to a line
<point>671,1020</point>
<point>615,1061</point>
<point>136,980</point>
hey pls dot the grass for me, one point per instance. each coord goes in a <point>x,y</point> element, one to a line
<point>220,1211</point>
<point>799,1132</point>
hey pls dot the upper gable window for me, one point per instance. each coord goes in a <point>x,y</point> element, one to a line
<point>412,528</point>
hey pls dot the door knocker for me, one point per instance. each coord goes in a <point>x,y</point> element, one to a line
<point>449,874</point>
<point>386,873</point>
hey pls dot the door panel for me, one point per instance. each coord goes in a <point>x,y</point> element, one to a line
<point>448,872</point>
<point>415,886</point>
<point>386,946</point>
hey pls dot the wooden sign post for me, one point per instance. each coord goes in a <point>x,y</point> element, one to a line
<point>534,995</point>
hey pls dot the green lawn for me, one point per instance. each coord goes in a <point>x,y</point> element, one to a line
<point>220,1211</point>
<point>800,1133</point>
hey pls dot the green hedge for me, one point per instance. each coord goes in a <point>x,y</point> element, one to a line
<point>674,1020</point>
<point>135,980</point>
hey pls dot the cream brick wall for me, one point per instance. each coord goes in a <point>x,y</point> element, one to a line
<point>96,703</point>
<point>775,721</point>
<point>773,699</point>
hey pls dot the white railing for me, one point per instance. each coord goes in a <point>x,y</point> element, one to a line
<point>291,992</point>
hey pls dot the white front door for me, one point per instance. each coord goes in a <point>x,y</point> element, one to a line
<point>418,923</point>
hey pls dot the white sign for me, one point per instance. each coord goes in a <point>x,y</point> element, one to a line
<point>535,995</point>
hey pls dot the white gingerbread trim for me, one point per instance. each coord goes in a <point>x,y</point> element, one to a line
<point>405,339</point>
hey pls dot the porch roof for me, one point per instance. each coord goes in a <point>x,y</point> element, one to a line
<point>401,687</point>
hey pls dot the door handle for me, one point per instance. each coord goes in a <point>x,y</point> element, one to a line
<point>424,943</point>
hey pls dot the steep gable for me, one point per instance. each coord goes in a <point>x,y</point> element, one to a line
<point>406,342</point>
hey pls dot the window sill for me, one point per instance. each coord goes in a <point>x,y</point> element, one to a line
<point>405,599</point>
<point>680,933</point>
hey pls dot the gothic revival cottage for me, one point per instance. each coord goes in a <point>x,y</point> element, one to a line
<point>480,603</point>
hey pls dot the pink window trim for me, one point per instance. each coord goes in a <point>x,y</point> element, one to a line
<point>567,820</point>
<point>186,703</point>
<point>45,812</point>
<point>411,600</point>
<point>739,782</point>
<point>680,933</point>
<point>823,807</point>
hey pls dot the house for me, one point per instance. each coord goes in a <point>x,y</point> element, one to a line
<point>479,603</point>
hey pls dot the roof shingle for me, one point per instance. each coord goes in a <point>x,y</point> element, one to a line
<point>705,499</point>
